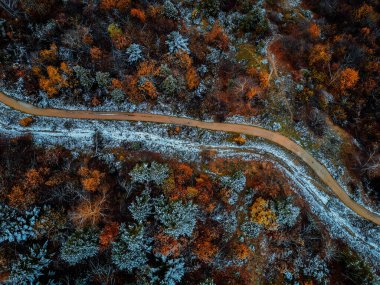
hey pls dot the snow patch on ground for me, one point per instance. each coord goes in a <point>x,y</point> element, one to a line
<point>342,222</point>
<point>79,134</point>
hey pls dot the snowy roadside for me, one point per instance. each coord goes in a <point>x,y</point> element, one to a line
<point>301,135</point>
<point>78,135</point>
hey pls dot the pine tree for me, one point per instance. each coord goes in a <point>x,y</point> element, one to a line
<point>212,7</point>
<point>118,95</point>
<point>103,78</point>
<point>175,269</point>
<point>235,183</point>
<point>178,219</point>
<point>317,268</point>
<point>170,85</point>
<point>286,212</point>
<point>255,21</point>
<point>80,245</point>
<point>28,268</point>
<point>176,42</point>
<point>130,250</point>
<point>144,173</point>
<point>17,226</point>
<point>134,53</point>
<point>84,76</point>
<point>142,207</point>
<point>170,10</point>
<point>251,229</point>
<point>167,271</point>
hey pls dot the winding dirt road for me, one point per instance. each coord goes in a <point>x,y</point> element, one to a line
<point>285,142</point>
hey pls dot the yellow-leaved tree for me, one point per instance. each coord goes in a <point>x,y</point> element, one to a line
<point>262,214</point>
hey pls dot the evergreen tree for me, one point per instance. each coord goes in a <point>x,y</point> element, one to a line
<point>235,183</point>
<point>142,207</point>
<point>134,53</point>
<point>212,7</point>
<point>103,78</point>
<point>170,10</point>
<point>17,226</point>
<point>317,268</point>
<point>144,173</point>
<point>208,281</point>
<point>170,85</point>
<point>28,268</point>
<point>214,56</point>
<point>176,42</point>
<point>175,269</point>
<point>255,21</point>
<point>118,95</point>
<point>251,229</point>
<point>130,250</point>
<point>80,245</point>
<point>356,269</point>
<point>167,271</point>
<point>178,219</point>
<point>286,212</point>
<point>84,76</point>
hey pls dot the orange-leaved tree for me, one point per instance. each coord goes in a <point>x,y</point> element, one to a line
<point>185,60</point>
<point>96,53</point>
<point>252,92</point>
<point>90,179</point>
<point>108,234</point>
<point>314,31</point>
<point>21,198</point>
<point>49,55</point>
<point>192,78</point>
<point>148,88</point>
<point>204,246</point>
<point>264,79</point>
<point>139,14</point>
<point>241,251</point>
<point>205,250</point>
<point>56,79</point>
<point>183,173</point>
<point>217,36</point>
<point>121,5</point>
<point>205,188</point>
<point>148,68</point>
<point>348,78</point>
<point>35,177</point>
<point>168,245</point>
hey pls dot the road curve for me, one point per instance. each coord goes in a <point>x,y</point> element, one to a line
<point>274,137</point>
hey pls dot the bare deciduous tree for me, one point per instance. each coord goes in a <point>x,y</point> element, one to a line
<point>370,163</point>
